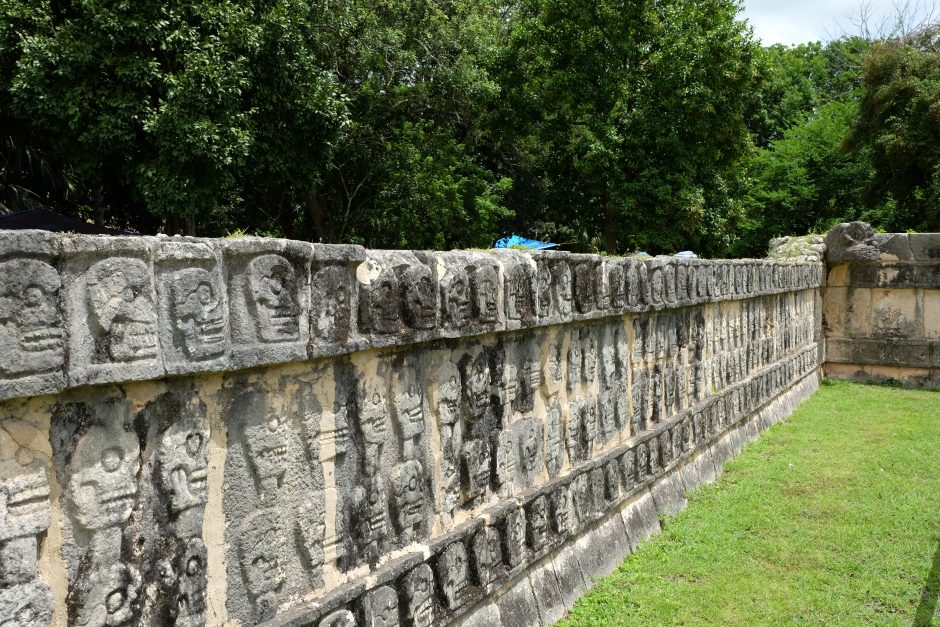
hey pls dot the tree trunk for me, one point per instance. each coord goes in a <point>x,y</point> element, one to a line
<point>316,216</point>
<point>610,241</point>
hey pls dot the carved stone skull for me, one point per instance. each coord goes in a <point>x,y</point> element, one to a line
<point>485,287</point>
<point>331,304</point>
<point>30,323</point>
<point>452,574</point>
<point>103,477</point>
<point>420,301</point>
<point>273,288</point>
<point>418,588</point>
<point>183,461</point>
<point>120,299</point>
<point>198,314</point>
<point>380,608</point>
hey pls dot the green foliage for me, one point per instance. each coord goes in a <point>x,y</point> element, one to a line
<point>626,120</point>
<point>799,179</point>
<point>605,126</point>
<point>899,124</point>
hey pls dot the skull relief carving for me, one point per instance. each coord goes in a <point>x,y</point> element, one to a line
<point>418,587</point>
<point>272,284</point>
<point>30,323</point>
<point>198,314</point>
<point>120,299</point>
<point>183,462</point>
<point>103,481</point>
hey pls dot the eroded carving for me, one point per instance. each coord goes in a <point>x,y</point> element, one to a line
<point>418,590</point>
<point>121,303</point>
<point>452,573</point>
<point>409,500</point>
<point>273,287</point>
<point>30,322</point>
<point>380,608</point>
<point>199,314</point>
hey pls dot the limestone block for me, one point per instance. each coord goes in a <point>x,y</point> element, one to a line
<point>572,582</point>
<point>894,313</point>
<point>640,519</point>
<point>518,605</point>
<point>603,548</point>
<point>931,313</point>
<point>851,241</point>
<point>193,306</point>
<point>927,275</point>
<point>894,247</point>
<point>111,307</point>
<point>549,597</point>
<point>269,299</point>
<point>334,299</point>
<point>925,246</point>
<point>32,326</point>
<point>668,495</point>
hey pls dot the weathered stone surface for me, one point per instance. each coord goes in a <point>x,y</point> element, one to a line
<point>376,437</point>
<point>640,519</point>
<point>851,241</point>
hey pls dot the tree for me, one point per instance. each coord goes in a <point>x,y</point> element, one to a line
<point>626,119</point>
<point>899,125</point>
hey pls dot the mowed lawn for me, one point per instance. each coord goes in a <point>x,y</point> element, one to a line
<point>831,518</point>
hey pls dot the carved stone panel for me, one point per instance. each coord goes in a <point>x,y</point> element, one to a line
<point>453,576</point>
<point>505,458</point>
<point>112,311</point>
<point>333,296</point>
<point>420,291</point>
<point>537,516</point>
<point>194,331</point>
<point>275,505</point>
<point>418,593</point>
<point>456,309</point>
<point>269,299</point>
<point>97,459</point>
<point>31,322</point>
<point>562,288</point>
<point>487,556</point>
<point>380,608</point>
<point>561,512</point>
<point>583,285</point>
<point>409,501</point>
<point>474,471</point>
<point>514,536</point>
<point>628,470</point>
<point>486,297</point>
<point>554,446</point>
<point>520,291</point>
<point>529,439</point>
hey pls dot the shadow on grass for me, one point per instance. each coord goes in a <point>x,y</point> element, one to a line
<point>928,596</point>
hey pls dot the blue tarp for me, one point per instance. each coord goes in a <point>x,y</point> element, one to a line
<point>515,241</point>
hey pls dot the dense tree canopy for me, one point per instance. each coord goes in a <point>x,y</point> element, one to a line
<point>645,124</point>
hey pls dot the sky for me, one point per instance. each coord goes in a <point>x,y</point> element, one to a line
<point>798,21</point>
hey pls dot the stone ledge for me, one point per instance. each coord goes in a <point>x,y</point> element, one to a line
<point>81,310</point>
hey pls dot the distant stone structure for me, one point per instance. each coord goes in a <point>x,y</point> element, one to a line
<point>881,306</point>
<point>246,431</point>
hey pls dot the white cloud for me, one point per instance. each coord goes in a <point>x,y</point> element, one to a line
<point>798,21</point>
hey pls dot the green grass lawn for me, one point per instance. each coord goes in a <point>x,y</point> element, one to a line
<point>831,518</point>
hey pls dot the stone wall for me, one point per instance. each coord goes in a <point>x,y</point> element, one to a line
<point>882,306</point>
<point>249,430</point>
